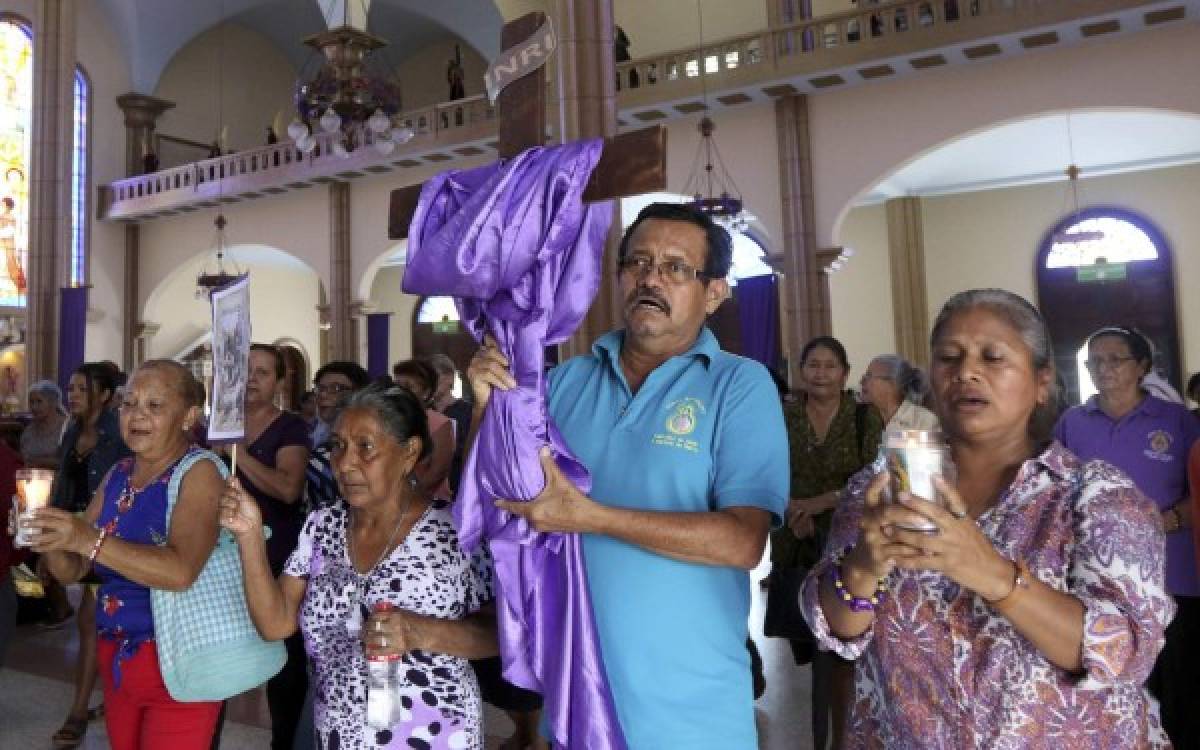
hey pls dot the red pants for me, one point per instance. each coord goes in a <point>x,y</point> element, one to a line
<point>141,714</point>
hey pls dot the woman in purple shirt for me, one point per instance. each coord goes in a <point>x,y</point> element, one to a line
<point>1149,440</point>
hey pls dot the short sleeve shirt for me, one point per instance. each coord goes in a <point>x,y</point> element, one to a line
<point>284,519</point>
<point>427,574</point>
<point>1151,445</point>
<point>703,433</point>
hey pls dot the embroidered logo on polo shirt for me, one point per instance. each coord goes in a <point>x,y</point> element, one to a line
<point>683,416</point>
<point>1160,445</point>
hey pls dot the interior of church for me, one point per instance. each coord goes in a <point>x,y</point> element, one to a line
<point>882,155</point>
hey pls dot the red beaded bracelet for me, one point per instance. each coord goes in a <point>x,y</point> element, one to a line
<point>96,547</point>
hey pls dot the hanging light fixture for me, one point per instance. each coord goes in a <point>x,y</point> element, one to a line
<point>346,98</point>
<point>710,185</point>
<point>1067,236</point>
<point>222,272</point>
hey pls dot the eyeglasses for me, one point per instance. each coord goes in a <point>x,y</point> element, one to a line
<point>333,389</point>
<point>1099,363</point>
<point>671,271</point>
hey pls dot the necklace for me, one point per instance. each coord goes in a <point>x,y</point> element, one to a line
<point>386,548</point>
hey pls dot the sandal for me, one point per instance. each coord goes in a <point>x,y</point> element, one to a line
<point>70,735</point>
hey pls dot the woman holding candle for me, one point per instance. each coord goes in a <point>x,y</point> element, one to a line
<point>40,438</point>
<point>90,447</point>
<point>830,437</point>
<point>1033,614</point>
<point>123,534</point>
<point>388,543</point>
<point>1149,439</point>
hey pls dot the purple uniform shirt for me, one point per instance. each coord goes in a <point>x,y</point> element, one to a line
<point>1151,445</point>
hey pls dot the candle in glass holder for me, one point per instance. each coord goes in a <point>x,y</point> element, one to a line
<point>33,492</point>
<point>914,458</point>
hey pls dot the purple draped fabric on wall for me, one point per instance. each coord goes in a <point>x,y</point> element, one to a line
<point>521,253</point>
<point>72,327</point>
<point>378,333</point>
<point>758,310</point>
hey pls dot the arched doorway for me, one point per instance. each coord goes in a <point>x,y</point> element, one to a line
<point>1106,266</point>
<point>436,330</point>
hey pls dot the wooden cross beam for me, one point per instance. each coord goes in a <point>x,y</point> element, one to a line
<point>630,164</point>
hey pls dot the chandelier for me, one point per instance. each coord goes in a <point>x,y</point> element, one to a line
<point>711,188</point>
<point>221,275</point>
<point>345,99</point>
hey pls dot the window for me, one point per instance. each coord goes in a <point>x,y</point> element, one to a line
<point>437,310</point>
<point>16,100</point>
<point>1122,241</point>
<point>79,182</point>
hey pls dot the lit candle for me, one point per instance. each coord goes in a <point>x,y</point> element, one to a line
<point>37,493</point>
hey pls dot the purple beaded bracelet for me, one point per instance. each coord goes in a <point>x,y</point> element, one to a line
<point>855,603</point>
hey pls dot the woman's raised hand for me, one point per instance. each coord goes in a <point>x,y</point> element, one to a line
<point>239,510</point>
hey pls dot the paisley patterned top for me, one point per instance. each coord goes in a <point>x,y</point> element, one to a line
<point>426,573</point>
<point>940,669</point>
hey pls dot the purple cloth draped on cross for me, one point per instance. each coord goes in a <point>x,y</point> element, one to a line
<point>516,246</point>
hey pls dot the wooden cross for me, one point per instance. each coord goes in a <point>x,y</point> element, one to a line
<point>631,163</point>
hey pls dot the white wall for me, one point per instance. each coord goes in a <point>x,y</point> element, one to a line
<point>665,25</point>
<point>284,294</point>
<point>255,80</point>
<point>990,238</point>
<point>862,134</point>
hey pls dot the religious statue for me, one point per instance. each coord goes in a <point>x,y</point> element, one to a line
<point>454,75</point>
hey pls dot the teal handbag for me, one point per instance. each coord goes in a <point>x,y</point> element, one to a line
<point>208,647</point>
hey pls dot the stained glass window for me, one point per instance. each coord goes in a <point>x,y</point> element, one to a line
<point>16,98</point>
<point>79,183</point>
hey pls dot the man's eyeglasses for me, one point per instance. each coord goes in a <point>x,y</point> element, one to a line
<point>333,389</point>
<point>671,271</point>
<point>1099,363</point>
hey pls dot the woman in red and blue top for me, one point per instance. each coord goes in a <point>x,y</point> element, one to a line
<point>124,533</point>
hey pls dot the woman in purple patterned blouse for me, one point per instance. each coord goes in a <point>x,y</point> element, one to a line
<point>1032,616</point>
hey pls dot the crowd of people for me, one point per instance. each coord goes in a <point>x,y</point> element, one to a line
<point>1049,601</point>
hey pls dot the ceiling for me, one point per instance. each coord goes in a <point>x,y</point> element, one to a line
<point>153,31</point>
<point>1037,150</point>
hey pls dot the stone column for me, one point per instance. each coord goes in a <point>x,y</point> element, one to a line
<point>343,330</point>
<point>589,102</point>
<point>48,268</point>
<point>141,116</point>
<point>906,253</point>
<point>806,296</point>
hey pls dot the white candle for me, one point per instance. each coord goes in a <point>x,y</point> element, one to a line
<point>37,493</point>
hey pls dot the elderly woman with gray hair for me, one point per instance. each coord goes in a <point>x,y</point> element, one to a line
<point>896,387</point>
<point>40,438</point>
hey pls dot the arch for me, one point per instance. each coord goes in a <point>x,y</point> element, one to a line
<point>1139,292</point>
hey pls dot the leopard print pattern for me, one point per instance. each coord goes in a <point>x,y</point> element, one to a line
<point>426,574</point>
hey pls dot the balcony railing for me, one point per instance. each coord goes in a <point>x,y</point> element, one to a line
<point>280,166</point>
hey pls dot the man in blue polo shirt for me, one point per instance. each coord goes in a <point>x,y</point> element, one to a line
<point>687,450</point>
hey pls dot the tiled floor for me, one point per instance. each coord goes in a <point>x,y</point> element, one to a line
<point>35,692</point>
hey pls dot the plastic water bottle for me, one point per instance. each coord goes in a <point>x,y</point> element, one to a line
<point>384,680</point>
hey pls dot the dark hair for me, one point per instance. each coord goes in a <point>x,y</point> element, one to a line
<point>909,378</point>
<point>9,202</point>
<point>415,368</point>
<point>1139,345</point>
<point>1193,385</point>
<point>442,364</point>
<point>719,255</point>
<point>100,377</point>
<point>186,385</point>
<point>1026,321</point>
<point>826,342</point>
<point>280,366</point>
<point>352,371</point>
<point>397,410</point>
